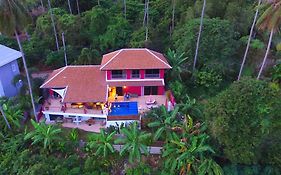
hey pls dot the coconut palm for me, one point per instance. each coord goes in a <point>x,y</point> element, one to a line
<point>43,134</point>
<point>69,6</point>
<point>249,40</point>
<point>199,35</point>
<point>13,18</point>
<point>78,9</point>
<point>173,15</point>
<point>270,20</point>
<point>135,142</point>
<point>53,24</point>
<point>102,143</point>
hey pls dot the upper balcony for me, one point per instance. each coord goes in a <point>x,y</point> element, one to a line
<point>135,74</point>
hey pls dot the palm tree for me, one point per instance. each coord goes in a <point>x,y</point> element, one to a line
<point>135,142</point>
<point>173,15</point>
<point>53,24</point>
<point>43,134</point>
<point>102,142</point>
<point>270,21</point>
<point>78,9</point>
<point>145,18</point>
<point>199,35</point>
<point>13,18</point>
<point>69,6</point>
<point>125,8</point>
<point>176,61</point>
<point>165,123</point>
<point>249,40</point>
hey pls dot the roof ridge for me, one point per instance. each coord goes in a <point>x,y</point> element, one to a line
<point>111,59</point>
<point>53,77</point>
<point>84,65</point>
<point>157,57</point>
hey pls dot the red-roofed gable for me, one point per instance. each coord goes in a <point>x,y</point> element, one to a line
<point>140,58</point>
<point>83,83</point>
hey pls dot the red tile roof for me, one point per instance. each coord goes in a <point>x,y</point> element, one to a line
<point>139,58</point>
<point>83,83</point>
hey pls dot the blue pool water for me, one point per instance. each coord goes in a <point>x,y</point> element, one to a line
<point>124,108</point>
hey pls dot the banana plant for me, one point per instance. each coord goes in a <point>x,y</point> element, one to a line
<point>102,143</point>
<point>165,123</point>
<point>135,142</point>
<point>44,135</point>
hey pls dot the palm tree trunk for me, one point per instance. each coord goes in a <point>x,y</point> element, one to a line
<point>53,23</point>
<point>266,53</point>
<point>199,35</point>
<point>249,41</point>
<point>5,118</point>
<point>77,4</point>
<point>27,76</point>
<point>173,15</point>
<point>125,8</point>
<point>69,6</point>
<point>146,26</point>
<point>42,4</point>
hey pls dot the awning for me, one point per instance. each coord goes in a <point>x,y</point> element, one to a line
<point>61,92</point>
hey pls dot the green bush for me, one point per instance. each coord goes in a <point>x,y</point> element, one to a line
<point>243,117</point>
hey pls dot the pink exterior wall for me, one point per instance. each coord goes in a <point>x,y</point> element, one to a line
<point>108,74</point>
<point>129,74</point>
<point>142,73</point>
<point>161,90</point>
<point>133,90</point>
<point>162,72</point>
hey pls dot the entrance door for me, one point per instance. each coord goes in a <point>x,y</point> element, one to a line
<point>150,90</point>
<point>119,91</point>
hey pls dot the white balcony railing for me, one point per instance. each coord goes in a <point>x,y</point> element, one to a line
<point>152,76</point>
<point>118,76</point>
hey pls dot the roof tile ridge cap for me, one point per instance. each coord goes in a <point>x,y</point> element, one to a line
<point>53,76</point>
<point>158,57</point>
<point>111,59</point>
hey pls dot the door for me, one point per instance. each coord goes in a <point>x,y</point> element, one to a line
<point>1,90</point>
<point>150,90</point>
<point>119,91</point>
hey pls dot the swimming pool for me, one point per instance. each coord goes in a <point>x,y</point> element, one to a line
<point>124,108</point>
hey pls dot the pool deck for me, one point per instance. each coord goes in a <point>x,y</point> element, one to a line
<point>142,100</point>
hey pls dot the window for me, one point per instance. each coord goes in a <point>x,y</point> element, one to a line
<point>151,90</point>
<point>118,74</point>
<point>135,74</point>
<point>152,73</point>
<point>14,67</point>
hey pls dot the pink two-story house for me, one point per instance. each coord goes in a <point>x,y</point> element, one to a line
<point>85,92</point>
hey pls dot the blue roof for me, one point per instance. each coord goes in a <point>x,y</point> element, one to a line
<point>8,55</point>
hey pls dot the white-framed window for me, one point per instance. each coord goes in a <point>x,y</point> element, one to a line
<point>135,74</point>
<point>14,67</point>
